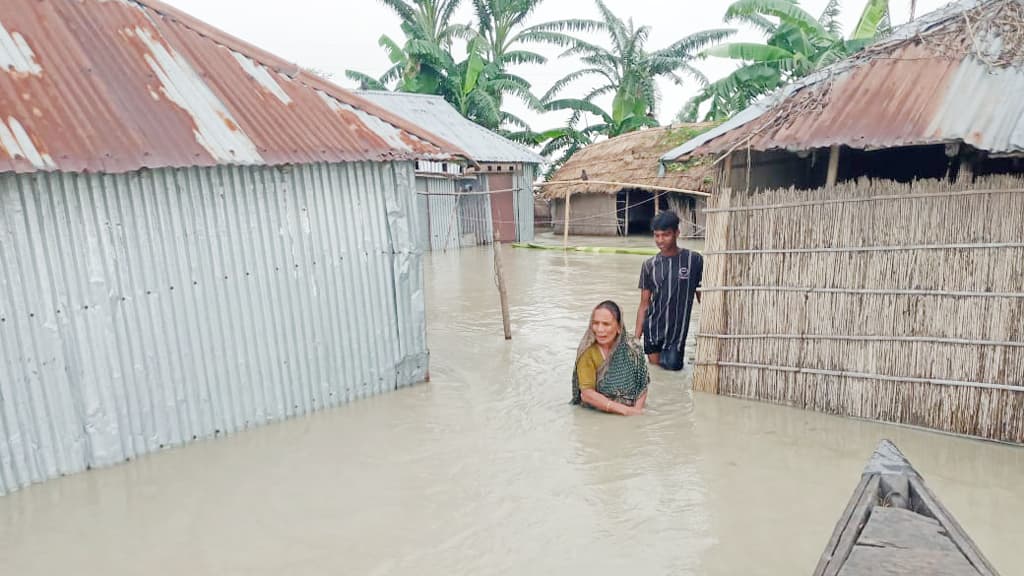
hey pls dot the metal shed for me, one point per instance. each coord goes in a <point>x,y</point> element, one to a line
<point>464,208</point>
<point>196,237</point>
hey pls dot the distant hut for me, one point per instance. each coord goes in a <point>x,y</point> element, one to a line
<point>865,243</point>
<point>196,238</point>
<point>450,203</point>
<point>631,162</point>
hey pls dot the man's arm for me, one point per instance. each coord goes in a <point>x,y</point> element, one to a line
<point>700,277</point>
<point>641,312</point>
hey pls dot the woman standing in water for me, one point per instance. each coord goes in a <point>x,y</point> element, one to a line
<point>611,371</point>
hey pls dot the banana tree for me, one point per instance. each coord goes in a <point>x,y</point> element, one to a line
<point>417,63</point>
<point>796,45</point>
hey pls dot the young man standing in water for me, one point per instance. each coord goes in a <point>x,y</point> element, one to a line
<point>668,284</point>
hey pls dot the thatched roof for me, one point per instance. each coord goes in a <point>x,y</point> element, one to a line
<point>633,158</point>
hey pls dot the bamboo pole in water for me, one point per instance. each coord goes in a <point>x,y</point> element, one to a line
<point>627,214</point>
<point>499,272</point>
<point>565,225</point>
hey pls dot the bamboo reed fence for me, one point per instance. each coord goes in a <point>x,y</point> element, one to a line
<point>895,302</point>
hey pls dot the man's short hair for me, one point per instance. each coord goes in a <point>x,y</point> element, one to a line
<point>667,220</point>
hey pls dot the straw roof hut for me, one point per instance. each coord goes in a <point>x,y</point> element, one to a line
<point>626,165</point>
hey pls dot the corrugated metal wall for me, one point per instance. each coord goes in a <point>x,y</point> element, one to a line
<point>470,223</point>
<point>475,212</point>
<point>147,310</point>
<point>442,215</point>
<point>422,216</point>
<point>524,202</point>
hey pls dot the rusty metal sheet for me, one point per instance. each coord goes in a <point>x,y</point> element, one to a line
<point>117,85</point>
<point>901,92</point>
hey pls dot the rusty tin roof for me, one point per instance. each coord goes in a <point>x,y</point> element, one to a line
<point>118,85</point>
<point>955,75</point>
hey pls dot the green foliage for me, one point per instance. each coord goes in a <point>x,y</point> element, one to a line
<point>796,44</point>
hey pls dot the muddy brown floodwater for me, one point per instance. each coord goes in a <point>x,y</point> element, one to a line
<point>489,470</point>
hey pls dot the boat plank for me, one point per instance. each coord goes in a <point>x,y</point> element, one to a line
<point>900,528</point>
<point>956,532</point>
<point>869,560</point>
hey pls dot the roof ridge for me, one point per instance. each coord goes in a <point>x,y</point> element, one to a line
<point>536,157</point>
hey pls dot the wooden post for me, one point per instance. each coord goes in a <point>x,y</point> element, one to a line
<point>726,172</point>
<point>499,271</point>
<point>833,166</point>
<point>565,220</point>
<point>657,202</point>
<point>626,227</point>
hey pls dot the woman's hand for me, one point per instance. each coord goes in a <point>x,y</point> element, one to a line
<point>641,402</point>
<point>601,402</point>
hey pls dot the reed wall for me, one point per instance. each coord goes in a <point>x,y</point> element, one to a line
<point>895,302</point>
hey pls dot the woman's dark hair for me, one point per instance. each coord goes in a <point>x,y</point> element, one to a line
<point>667,220</point>
<point>611,307</point>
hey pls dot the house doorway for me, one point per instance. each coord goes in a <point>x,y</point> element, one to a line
<point>635,211</point>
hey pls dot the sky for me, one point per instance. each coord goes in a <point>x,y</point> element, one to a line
<point>335,35</point>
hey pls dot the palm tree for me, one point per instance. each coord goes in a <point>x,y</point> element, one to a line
<point>628,71</point>
<point>501,27</point>
<point>796,45</point>
<point>417,64</point>
<point>500,40</point>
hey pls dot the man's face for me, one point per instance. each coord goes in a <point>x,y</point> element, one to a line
<point>665,240</point>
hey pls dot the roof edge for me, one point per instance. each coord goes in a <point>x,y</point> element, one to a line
<point>900,34</point>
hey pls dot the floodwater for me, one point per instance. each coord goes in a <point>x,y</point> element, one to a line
<point>488,470</point>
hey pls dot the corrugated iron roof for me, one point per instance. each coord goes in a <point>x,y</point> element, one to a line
<point>913,88</point>
<point>118,85</point>
<point>438,116</point>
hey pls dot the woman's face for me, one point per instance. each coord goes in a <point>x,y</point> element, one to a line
<point>604,326</point>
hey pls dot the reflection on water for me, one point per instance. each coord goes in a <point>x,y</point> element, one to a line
<point>489,470</point>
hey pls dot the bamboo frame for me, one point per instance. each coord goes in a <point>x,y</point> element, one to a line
<point>867,376</point>
<point>627,184</point>
<point>826,249</point>
<point>925,339</point>
<point>871,299</point>
<point>831,202</point>
<point>879,292</point>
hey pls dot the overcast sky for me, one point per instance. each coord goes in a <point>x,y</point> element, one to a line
<point>335,35</point>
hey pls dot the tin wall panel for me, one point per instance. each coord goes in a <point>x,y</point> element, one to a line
<point>524,202</point>
<point>475,212</point>
<point>150,309</point>
<point>443,213</point>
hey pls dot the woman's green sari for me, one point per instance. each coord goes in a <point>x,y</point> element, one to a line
<point>623,377</point>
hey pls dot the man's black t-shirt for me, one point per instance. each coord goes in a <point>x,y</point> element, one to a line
<point>673,282</point>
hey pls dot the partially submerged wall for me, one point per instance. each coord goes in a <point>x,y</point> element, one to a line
<point>151,309</point>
